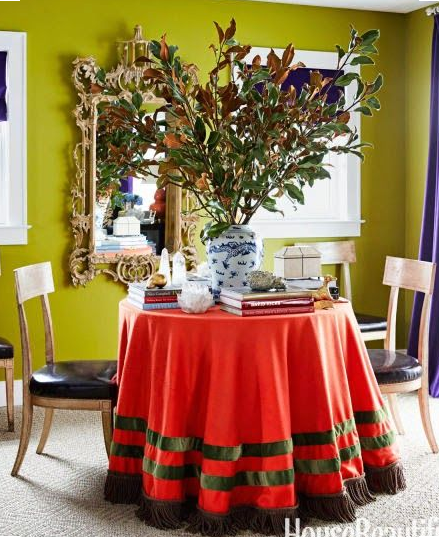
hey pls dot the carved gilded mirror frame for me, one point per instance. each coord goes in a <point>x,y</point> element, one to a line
<point>95,86</point>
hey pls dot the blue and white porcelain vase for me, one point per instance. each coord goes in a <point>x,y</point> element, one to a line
<point>232,255</point>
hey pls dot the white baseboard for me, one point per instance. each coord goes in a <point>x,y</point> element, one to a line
<point>18,393</point>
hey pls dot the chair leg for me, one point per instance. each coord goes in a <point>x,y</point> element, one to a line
<point>107,425</point>
<point>26,427</point>
<point>9,376</point>
<point>392,399</point>
<point>48,415</point>
<point>426,420</point>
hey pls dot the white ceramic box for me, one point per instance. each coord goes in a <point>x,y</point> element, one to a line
<point>297,262</point>
<point>126,225</point>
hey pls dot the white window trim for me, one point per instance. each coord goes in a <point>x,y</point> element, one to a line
<point>14,229</point>
<point>350,225</point>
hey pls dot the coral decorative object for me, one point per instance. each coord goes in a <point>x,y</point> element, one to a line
<point>159,205</point>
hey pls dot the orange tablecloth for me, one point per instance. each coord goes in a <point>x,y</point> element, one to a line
<point>226,422</point>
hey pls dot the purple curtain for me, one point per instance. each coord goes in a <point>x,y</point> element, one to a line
<point>126,185</point>
<point>429,247</point>
<point>3,110</point>
<point>300,76</point>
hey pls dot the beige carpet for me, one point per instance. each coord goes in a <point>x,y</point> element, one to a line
<point>60,493</point>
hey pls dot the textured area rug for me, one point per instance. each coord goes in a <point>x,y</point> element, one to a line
<point>60,493</point>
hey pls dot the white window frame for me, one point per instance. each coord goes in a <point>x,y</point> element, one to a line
<point>350,224</point>
<point>13,220</point>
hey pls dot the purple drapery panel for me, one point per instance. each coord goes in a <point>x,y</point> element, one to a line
<point>429,247</point>
<point>300,76</point>
<point>126,185</point>
<point>3,109</point>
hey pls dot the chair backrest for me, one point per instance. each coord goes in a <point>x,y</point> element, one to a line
<point>337,253</point>
<point>419,276</point>
<point>30,282</point>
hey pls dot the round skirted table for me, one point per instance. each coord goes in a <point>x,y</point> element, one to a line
<point>226,423</point>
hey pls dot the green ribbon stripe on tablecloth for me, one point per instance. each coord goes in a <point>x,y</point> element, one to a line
<point>221,483</point>
<point>233,453</point>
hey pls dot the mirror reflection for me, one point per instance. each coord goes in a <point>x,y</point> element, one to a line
<point>130,212</point>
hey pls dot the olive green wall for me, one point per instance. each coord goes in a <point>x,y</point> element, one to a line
<point>419,30</point>
<point>85,319</point>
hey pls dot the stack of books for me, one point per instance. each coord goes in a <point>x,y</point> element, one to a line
<point>247,303</point>
<point>153,299</point>
<point>122,242</point>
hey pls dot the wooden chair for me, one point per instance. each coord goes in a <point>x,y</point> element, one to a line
<point>395,371</point>
<point>76,385</point>
<point>342,253</point>
<point>7,363</point>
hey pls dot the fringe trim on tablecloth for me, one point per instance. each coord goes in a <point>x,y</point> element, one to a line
<point>358,490</point>
<point>174,515</point>
<point>166,514</point>
<point>337,507</point>
<point>123,488</point>
<point>389,479</point>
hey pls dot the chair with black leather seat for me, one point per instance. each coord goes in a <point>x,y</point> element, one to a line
<point>7,363</point>
<point>395,371</point>
<point>75,385</point>
<point>342,253</point>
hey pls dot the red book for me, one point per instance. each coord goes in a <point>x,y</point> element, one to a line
<point>261,304</point>
<point>153,299</point>
<point>268,311</point>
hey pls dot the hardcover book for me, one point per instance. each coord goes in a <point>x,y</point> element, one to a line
<point>245,293</point>
<point>141,290</point>
<point>267,311</point>
<point>157,306</point>
<point>152,299</point>
<point>258,304</point>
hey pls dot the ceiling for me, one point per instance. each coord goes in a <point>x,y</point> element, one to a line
<point>395,6</point>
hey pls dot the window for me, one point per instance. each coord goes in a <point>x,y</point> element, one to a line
<point>332,206</point>
<point>13,210</point>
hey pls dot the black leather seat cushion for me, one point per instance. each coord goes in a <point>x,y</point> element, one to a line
<point>370,323</point>
<point>391,367</point>
<point>87,379</point>
<point>6,349</point>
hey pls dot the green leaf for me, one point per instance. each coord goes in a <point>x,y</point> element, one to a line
<point>137,100</point>
<point>368,49</point>
<point>213,140</point>
<point>215,230</point>
<point>358,154</point>
<point>231,42</point>
<point>360,88</point>
<point>365,110</point>
<point>322,173</point>
<point>369,37</point>
<point>295,193</point>
<point>340,51</point>
<point>273,95</point>
<point>377,84</point>
<point>216,206</point>
<point>346,79</point>
<point>270,205</point>
<point>200,129</point>
<point>374,103</point>
<point>362,60</point>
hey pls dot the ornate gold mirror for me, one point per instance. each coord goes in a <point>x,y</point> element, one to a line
<point>120,226</point>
